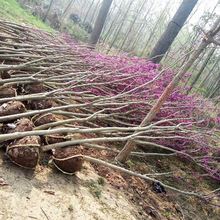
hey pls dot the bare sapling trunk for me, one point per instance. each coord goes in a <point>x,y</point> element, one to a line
<point>154,28</point>
<point>208,38</point>
<point>209,75</point>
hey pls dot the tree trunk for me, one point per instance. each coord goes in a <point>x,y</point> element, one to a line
<point>172,30</point>
<point>111,27</point>
<point>88,11</point>
<point>132,25</point>
<point>125,152</point>
<point>48,11</point>
<point>206,78</point>
<point>92,20</point>
<point>83,6</point>
<point>212,85</point>
<point>202,69</point>
<point>154,28</point>
<point>138,34</point>
<point>216,89</point>
<point>108,23</point>
<point>67,8</point>
<point>197,34</point>
<point>100,22</point>
<point>120,26</point>
<point>194,67</point>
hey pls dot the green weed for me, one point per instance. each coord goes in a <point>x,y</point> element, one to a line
<point>167,213</point>
<point>94,188</point>
<point>130,164</point>
<point>101,181</point>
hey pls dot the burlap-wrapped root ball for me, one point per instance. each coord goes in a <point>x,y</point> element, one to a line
<point>57,138</point>
<point>68,159</point>
<point>40,104</point>
<point>25,151</point>
<point>19,125</point>
<point>34,88</point>
<point>6,92</point>
<point>42,119</point>
<point>12,107</point>
<point>37,104</point>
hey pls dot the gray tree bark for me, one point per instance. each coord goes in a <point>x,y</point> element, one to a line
<point>154,29</point>
<point>100,21</point>
<point>206,78</point>
<point>83,6</point>
<point>138,34</point>
<point>216,90</point>
<point>172,30</point>
<point>111,27</point>
<point>93,15</point>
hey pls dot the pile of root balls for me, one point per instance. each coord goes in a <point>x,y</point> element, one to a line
<point>25,151</point>
<point>31,101</point>
<point>46,102</point>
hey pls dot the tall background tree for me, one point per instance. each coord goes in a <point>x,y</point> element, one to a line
<point>48,10</point>
<point>68,7</point>
<point>100,21</point>
<point>172,30</point>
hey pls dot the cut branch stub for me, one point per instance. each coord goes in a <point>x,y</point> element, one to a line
<point>68,159</point>
<point>12,107</point>
<point>25,151</point>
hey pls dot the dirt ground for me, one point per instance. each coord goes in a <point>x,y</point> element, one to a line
<point>96,192</point>
<point>48,194</point>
